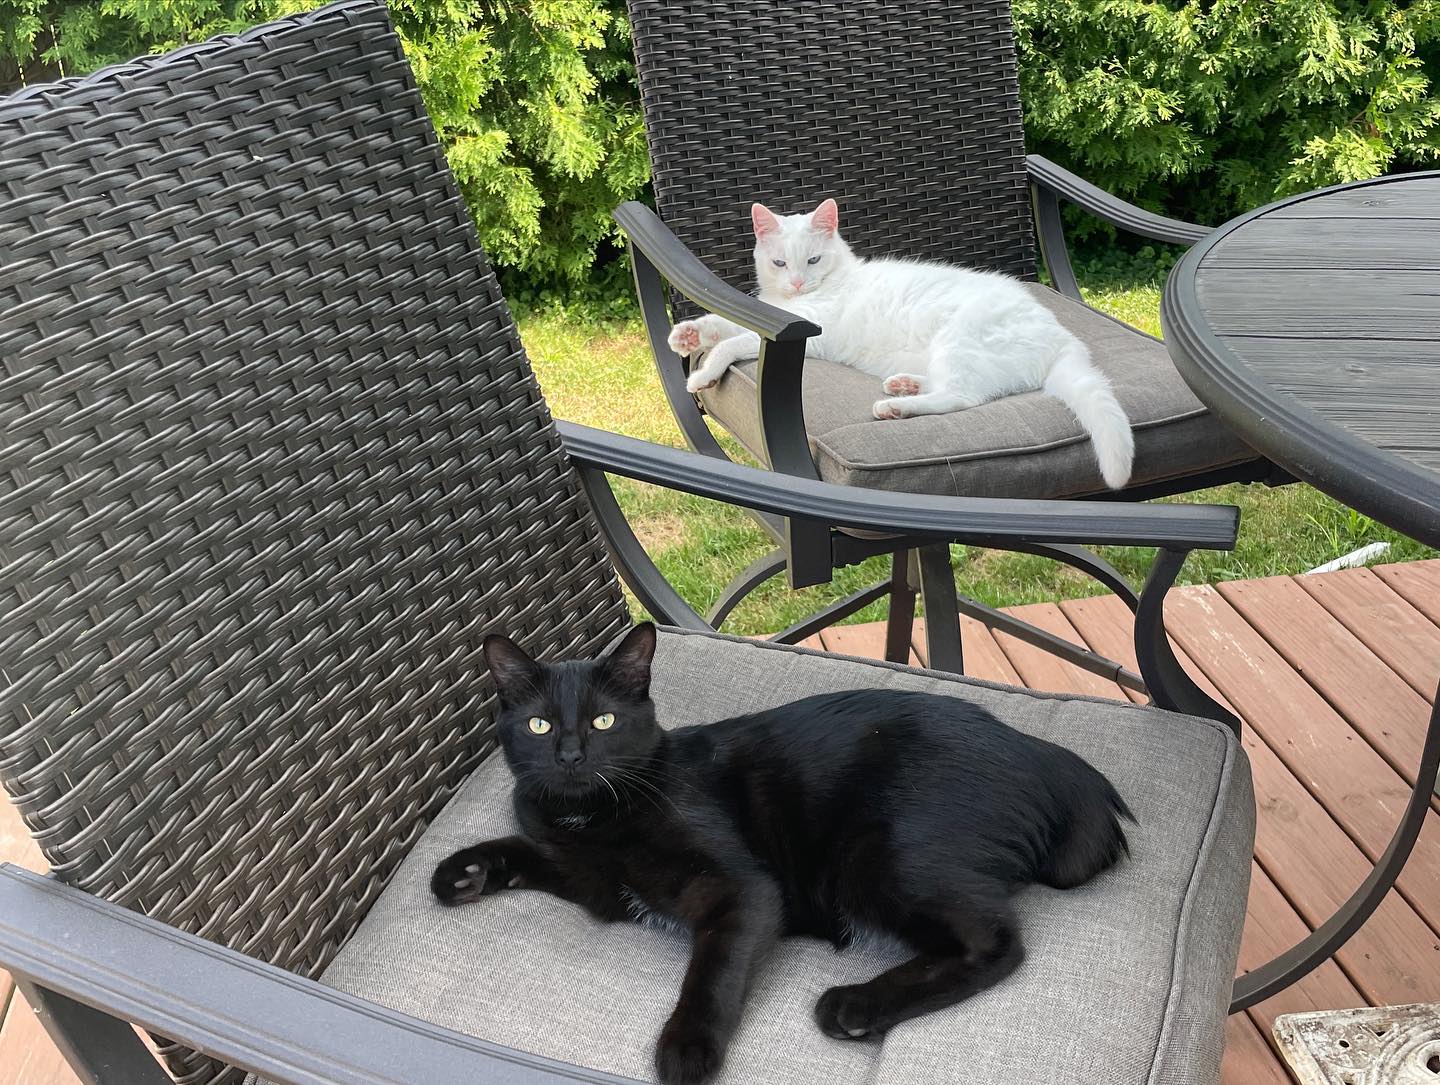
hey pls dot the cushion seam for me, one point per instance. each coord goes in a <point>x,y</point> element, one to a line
<point>1182,920</point>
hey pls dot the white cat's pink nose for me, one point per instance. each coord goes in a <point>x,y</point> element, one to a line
<point>797,283</point>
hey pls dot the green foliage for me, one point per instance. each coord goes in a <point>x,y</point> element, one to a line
<point>1201,108</point>
<point>535,102</point>
<point>1209,107</point>
<point>537,105</point>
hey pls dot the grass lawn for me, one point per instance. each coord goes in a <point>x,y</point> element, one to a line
<point>598,372</point>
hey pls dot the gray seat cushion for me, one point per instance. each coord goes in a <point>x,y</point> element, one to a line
<point>1020,446</point>
<point>1127,979</point>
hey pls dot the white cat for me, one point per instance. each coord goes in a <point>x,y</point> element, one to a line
<point>942,338</point>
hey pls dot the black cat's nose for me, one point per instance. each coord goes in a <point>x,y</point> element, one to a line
<point>569,758</point>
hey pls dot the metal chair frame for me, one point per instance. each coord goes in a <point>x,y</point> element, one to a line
<point>713,145</point>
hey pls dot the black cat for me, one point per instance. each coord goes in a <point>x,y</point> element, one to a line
<point>907,813</point>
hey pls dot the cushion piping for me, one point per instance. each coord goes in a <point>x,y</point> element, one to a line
<point>1182,920</point>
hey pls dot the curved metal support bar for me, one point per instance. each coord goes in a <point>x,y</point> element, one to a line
<point>1046,175</point>
<point>754,574</point>
<point>650,291</point>
<point>1050,233</point>
<point>1274,976</point>
<point>1168,683</point>
<point>835,612</point>
<point>636,567</point>
<point>1088,562</point>
<point>687,274</point>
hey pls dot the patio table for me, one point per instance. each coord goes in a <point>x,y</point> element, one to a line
<point>1312,328</point>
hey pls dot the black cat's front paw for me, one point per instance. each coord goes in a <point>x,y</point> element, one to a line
<point>690,1051</point>
<point>468,875</point>
<point>850,1013</point>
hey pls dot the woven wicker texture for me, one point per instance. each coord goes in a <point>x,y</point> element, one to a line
<point>272,463</point>
<point>908,114</point>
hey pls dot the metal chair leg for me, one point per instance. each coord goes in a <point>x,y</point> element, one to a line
<point>942,612</point>
<point>900,625</point>
<point>755,574</point>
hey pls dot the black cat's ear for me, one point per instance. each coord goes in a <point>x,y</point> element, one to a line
<point>628,667</point>
<point>515,673</point>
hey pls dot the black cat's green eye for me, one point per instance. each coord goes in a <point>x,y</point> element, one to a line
<point>539,726</point>
<point>604,721</point>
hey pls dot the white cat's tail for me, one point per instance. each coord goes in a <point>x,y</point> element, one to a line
<point>1075,382</point>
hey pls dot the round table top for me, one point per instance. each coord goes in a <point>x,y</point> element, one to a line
<point>1312,328</point>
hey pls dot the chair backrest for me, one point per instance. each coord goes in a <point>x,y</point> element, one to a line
<point>908,114</point>
<point>272,462</point>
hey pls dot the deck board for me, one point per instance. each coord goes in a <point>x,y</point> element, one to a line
<point>1300,730</point>
<point>1331,673</point>
<point>1040,670</point>
<point>1375,701</point>
<point>1388,624</point>
<point>1417,582</point>
<point>984,658</point>
<point>27,1057</point>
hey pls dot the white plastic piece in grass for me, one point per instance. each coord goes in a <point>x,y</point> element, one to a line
<point>1352,559</point>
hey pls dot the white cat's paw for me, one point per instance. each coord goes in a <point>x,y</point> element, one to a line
<point>889,408</point>
<point>686,338</point>
<point>901,384</point>
<point>700,380</point>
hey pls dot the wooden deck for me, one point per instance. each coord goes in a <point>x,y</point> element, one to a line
<point>1333,675</point>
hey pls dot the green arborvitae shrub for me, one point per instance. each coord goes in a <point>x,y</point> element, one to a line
<point>535,101</point>
<point>1201,108</point>
<point>1209,107</point>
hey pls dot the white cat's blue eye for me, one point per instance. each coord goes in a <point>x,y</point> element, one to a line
<point>778,263</point>
<point>813,260</point>
<point>604,721</point>
<point>538,726</point>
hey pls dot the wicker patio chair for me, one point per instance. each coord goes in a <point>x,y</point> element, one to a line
<point>273,461</point>
<point>910,116</point>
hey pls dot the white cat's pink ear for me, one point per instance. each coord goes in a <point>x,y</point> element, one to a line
<point>826,218</point>
<point>764,221</point>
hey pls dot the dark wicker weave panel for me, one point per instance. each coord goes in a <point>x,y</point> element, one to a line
<point>272,462</point>
<point>908,114</point>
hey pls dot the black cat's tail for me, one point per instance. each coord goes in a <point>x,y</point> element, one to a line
<point>1092,839</point>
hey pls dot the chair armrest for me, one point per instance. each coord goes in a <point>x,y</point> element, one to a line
<point>281,1026</point>
<point>692,278</point>
<point>1111,209</point>
<point>983,521</point>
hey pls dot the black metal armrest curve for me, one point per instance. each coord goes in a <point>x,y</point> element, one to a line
<point>247,1013</point>
<point>979,520</point>
<point>687,274</point>
<point>1111,209</point>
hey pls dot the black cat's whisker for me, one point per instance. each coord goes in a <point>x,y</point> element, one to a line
<point>648,790</point>
<point>611,786</point>
<point>644,772</point>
